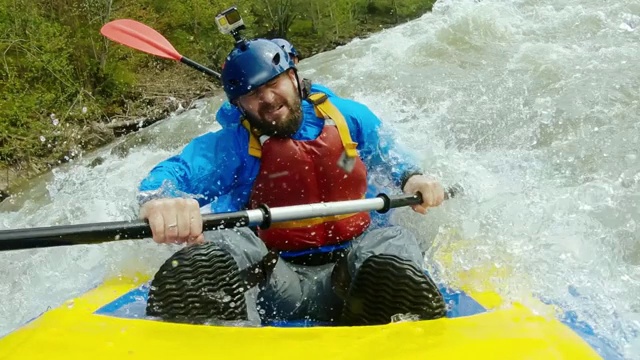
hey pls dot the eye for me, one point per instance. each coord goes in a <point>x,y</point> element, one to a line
<point>252,93</point>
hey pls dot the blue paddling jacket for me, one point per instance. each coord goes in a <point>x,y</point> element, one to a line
<point>217,170</point>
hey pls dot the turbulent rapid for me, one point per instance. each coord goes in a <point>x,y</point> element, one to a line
<point>532,105</point>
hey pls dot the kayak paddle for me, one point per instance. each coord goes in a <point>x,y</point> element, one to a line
<point>141,37</point>
<point>94,233</point>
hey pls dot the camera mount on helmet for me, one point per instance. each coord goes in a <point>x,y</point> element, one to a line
<point>230,22</point>
<point>251,63</point>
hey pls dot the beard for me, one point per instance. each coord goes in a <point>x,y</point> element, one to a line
<point>281,128</point>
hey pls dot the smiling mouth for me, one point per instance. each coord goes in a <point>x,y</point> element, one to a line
<point>274,109</point>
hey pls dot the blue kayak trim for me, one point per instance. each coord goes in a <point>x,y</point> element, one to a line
<point>136,295</point>
<point>603,346</point>
<point>459,304</point>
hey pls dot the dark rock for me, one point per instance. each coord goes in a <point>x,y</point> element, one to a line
<point>4,194</point>
<point>97,161</point>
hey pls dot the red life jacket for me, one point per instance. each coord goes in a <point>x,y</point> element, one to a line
<point>295,172</point>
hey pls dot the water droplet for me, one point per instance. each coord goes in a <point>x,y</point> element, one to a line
<point>42,138</point>
<point>404,318</point>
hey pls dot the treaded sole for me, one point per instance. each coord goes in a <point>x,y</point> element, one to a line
<point>386,286</point>
<point>198,284</point>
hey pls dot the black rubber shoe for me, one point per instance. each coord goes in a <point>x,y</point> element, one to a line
<point>198,284</point>
<point>387,286</point>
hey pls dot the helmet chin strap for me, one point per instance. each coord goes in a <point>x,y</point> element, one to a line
<point>298,84</point>
<point>236,104</point>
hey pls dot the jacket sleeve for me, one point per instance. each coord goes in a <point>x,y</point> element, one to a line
<point>377,144</point>
<point>205,169</point>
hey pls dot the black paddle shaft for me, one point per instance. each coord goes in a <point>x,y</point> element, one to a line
<point>263,216</point>
<point>200,67</point>
<point>94,233</point>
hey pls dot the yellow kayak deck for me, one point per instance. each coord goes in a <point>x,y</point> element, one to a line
<point>76,331</point>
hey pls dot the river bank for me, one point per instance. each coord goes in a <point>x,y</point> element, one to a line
<point>158,94</point>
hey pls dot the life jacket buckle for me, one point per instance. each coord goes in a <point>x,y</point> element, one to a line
<point>346,163</point>
<point>317,98</point>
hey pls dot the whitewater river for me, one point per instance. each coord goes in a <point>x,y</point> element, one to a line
<point>533,105</point>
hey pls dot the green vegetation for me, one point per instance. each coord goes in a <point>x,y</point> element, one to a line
<point>61,81</point>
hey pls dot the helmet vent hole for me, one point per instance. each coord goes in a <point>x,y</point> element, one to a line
<point>276,59</point>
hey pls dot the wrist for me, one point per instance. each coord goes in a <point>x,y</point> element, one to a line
<point>405,178</point>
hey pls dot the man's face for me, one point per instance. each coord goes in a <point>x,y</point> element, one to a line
<point>274,108</point>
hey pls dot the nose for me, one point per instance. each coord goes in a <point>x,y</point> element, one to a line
<point>265,94</point>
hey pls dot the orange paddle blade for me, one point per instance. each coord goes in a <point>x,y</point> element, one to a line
<point>141,37</point>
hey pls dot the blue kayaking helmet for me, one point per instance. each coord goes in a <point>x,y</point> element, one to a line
<point>252,65</point>
<point>286,46</point>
